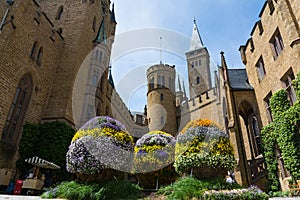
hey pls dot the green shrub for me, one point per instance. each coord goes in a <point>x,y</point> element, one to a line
<point>188,187</point>
<point>119,189</point>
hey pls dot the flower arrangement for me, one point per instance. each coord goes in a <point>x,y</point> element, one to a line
<point>153,151</point>
<point>101,143</point>
<point>253,192</point>
<point>202,144</point>
<point>154,154</point>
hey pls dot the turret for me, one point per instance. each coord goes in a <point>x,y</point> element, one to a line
<point>161,98</point>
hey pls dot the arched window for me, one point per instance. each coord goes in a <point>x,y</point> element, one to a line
<point>17,111</point>
<point>162,120</point>
<point>106,110</point>
<point>198,80</point>
<point>100,56</point>
<point>163,81</point>
<point>94,80</point>
<point>96,54</point>
<point>151,86</point>
<point>59,12</point>
<point>159,82</point>
<point>255,135</point>
<point>39,57</point>
<point>161,97</point>
<point>94,24</point>
<point>33,49</point>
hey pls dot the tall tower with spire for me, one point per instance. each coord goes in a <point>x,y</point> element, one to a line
<point>198,64</point>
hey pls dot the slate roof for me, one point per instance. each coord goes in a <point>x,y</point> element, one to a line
<point>238,79</point>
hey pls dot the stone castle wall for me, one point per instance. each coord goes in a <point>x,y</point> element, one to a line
<point>275,69</point>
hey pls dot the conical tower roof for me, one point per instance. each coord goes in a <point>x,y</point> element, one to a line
<point>196,41</point>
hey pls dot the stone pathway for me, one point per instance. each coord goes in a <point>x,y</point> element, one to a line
<point>20,197</point>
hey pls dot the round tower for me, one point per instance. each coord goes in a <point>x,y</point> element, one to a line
<point>161,98</point>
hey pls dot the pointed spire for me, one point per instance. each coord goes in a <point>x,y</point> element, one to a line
<point>110,78</point>
<point>101,34</point>
<point>223,61</point>
<point>196,41</point>
<point>112,16</point>
<point>184,92</point>
<point>179,84</point>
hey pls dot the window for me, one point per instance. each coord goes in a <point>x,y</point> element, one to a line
<point>260,27</point>
<point>159,81</point>
<point>251,45</point>
<point>94,80</point>
<point>161,97</point>
<point>17,111</point>
<point>260,66</point>
<point>89,111</point>
<point>94,24</point>
<point>163,81</point>
<point>284,172</point>
<point>39,57</point>
<point>199,63</point>
<point>255,135</point>
<point>287,83</point>
<point>271,6</point>
<point>267,104</point>
<point>59,12</point>
<point>100,56</point>
<point>276,43</point>
<point>192,64</point>
<point>32,53</point>
<point>196,63</point>
<point>162,120</point>
<point>198,80</point>
<point>106,110</point>
<point>96,54</point>
<point>151,83</point>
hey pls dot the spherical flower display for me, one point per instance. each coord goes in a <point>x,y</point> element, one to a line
<point>153,151</point>
<point>101,143</point>
<point>201,143</point>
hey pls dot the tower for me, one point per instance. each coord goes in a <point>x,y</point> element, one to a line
<point>198,64</point>
<point>161,98</point>
<point>83,25</point>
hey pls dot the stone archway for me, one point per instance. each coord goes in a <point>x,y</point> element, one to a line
<point>250,130</point>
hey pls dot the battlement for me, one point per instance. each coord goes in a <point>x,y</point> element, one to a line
<point>200,101</point>
<point>158,67</point>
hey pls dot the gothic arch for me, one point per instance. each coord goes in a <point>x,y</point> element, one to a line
<point>16,115</point>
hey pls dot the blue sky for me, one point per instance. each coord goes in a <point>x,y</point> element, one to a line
<point>224,25</point>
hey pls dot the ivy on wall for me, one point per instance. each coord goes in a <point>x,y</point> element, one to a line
<point>284,132</point>
<point>48,141</point>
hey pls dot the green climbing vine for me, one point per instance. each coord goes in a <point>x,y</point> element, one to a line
<point>284,132</point>
<point>49,141</point>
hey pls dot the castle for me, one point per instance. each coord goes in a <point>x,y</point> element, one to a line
<point>55,58</point>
